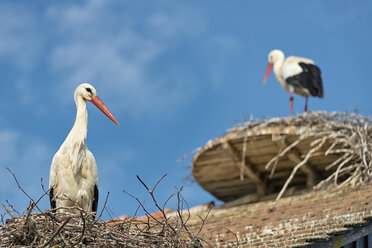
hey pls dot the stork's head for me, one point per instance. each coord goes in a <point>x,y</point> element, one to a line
<point>275,56</point>
<point>88,93</point>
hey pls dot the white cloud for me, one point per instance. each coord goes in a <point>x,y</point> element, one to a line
<point>181,22</point>
<point>221,49</point>
<point>118,61</point>
<point>115,46</point>
<point>78,15</point>
<point>13,24</point>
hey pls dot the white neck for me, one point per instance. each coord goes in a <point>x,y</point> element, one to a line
<point>78,133</point>
<point>75,143</point>
<point>278,72</point>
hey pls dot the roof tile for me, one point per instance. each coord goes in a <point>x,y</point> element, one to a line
<point>289,222</point>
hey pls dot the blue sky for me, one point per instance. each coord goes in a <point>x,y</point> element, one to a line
<point>174,73</point>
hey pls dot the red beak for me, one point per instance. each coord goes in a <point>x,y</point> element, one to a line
<point>99,104</point>
<point>268,70</point>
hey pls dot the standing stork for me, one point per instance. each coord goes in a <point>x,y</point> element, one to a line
<point>73,179</point>
<point>295,74</point>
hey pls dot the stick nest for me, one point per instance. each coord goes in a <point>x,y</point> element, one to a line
<point>57,229</point>
<point>347,133</point>
<point>67,230</point>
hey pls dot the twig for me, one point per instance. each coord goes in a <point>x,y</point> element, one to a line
<point>19,186</point>
<point>243,158</point>
<point>153,197</point>
<point>42,185</point>
<point>104,205</point>
<point>33,204</point>
<point>142,206</point>
<point>308,155</point>
<point>153,189</point>
<point>188,154</point>
<point>236,237</point>
<point>168,199</point>
<point>12,207</point>
<point>203,221</point>
<point>82,231</point>
<point>56,232</point>
<point>103,208</point>
<point>7,210</point>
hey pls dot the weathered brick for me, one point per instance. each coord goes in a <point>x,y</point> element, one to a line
<point>288,221</point>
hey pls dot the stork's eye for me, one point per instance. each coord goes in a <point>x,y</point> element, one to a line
<point>89,90</point>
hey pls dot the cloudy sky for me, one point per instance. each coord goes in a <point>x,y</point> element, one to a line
<point>174,73</point>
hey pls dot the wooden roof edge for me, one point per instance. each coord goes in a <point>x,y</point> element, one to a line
<point>273,130</point>
<point>277,125</point>
<point>253,198</point>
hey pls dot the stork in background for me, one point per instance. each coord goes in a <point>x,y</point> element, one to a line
<point>296,74</point>
<point>73,179</point>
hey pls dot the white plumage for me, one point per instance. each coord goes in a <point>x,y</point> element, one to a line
<point>73,179</point>
<point>296,75</point>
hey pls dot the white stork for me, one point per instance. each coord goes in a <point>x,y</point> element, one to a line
<point>295,74</point>
<point>73,179</point>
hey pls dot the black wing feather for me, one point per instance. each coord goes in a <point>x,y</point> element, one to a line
<point>52,201</point>
<point>310,78</point>
<point>95,199</point>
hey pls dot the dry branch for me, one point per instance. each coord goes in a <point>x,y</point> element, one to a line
<point>52,229</point>
<point>349,134</point>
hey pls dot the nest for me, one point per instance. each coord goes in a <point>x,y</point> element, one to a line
<point>67,230</point>
<point>349,134</point>
<point>269,158</point>
<point>56,229</point>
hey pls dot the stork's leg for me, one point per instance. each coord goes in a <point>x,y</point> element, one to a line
<point>305,110</point>
<point>290,104</point>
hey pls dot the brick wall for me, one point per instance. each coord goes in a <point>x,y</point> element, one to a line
<point>290,221</point>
